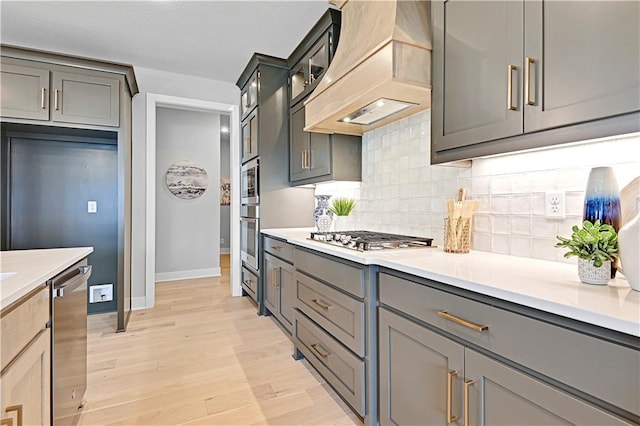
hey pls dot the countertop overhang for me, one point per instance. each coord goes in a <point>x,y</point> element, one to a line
<point>551,287</point>
<point>33,268</point>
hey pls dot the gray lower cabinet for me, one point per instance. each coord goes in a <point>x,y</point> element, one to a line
<point>249,283</point>
<point>279,283</point>
<point>25,92</point>
<point>59,94</point>
<point>421,373</point>
<point>499,395</point>
<point>506,70</point>
<point>441,349</point>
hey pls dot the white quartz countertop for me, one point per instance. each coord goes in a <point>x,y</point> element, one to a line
<point>552,287</point>
<point>31,268</point>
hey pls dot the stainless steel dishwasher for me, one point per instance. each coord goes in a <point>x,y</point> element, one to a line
<point>69,342</point>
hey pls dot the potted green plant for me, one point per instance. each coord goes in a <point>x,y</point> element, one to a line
<point>341,207</point>
<point>596,246</point>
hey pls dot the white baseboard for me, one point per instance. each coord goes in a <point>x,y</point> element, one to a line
<point>186,275</point>
<point>138,303</point>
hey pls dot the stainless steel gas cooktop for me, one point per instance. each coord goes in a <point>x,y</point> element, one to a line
<point>368,240</point>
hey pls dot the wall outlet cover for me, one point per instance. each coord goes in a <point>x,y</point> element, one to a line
<point>101,293</point>
<point>554,205</point>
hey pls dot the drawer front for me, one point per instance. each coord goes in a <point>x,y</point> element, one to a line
<point>279,248</point>
<point>343,370</point>
<point>346,277</point>
<point>339,314</point>
<point>21,322</point>
<point>586,363</point>
<point>250,283</point>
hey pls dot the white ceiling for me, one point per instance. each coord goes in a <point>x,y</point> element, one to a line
<point>212,39</point>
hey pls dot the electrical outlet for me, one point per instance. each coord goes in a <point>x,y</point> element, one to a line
<point>554,205</point>
<point>101,293</point>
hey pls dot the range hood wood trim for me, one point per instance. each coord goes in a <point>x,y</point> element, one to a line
<point>372,79</point>
<point>392,62</point>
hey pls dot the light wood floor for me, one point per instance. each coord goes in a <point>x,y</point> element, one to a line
<point>202,357</point>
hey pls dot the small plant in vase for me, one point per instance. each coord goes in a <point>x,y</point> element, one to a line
<point>341,207</point>
<point>596,246</point>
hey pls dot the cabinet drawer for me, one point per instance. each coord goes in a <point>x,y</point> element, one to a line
<point>279,248</point>
<point>21,322</point>
<point>250,283</point>
<point>346,277</point>
<point>339,314</point>
<point>597,367</point>
<point>343,370</point>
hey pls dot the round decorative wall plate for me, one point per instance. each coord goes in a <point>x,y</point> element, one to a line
<point>186,180</point>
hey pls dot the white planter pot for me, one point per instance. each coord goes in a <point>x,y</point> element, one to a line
<point>341,223</point>
<point>589,274</point>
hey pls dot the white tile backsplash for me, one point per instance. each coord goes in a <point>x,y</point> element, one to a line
<point>401,192</point>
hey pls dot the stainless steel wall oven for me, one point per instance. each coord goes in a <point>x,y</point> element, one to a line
<point>249,183</point>
<point>250,235</point>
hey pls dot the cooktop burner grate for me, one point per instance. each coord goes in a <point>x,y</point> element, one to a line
<point>369,240</point>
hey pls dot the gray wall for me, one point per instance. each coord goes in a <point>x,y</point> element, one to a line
<point>187,231</point>
<point>225,172</point>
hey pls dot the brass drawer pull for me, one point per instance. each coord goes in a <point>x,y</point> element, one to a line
<point>527,80</point>
<point>56,100</point>
<point>510,70</point>
<point>450,417</point>
<point>322,305</point>
<point>318,351</point>
<point>467,385</point>
<point>277,248</point>
<point>458,320</point>
<point>43,98</point>
<point>18,410</point>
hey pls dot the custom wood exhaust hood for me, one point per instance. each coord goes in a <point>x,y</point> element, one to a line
<point>381,71</point>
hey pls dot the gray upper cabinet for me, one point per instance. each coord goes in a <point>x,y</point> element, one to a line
<point>25,92</point>
<point>516,75</point>
<point>249,95</point>
<point>38,91</point>
<point>317,157</point>
<point>584,61</point>
<point>85,99</point>
<point>477,72</point>
<point>250,136</point>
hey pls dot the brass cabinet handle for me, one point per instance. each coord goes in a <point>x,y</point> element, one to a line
<point>450,417</point>
<point>18,410</point>
<point>273,278</point>
<point>277,248</point>
<point>278,277</point>
<point>510,70</point>
<point>467,385</point>
<point>43,97</point>
<point>322,305</point>
<point>527,80</point>
<point>302,159</point>
<point>55,99</point>
<point>458,320</point>
<point>318,351</point>
<point>309,152</point>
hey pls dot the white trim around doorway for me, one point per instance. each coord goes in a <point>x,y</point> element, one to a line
<point>153,102</point>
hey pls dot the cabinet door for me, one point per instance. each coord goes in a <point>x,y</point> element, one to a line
<point>420,374</point>
<point>26,385</point>
<point>250,136</point>
<point>319,156</point>
<point>84,99</point>
<point>25,92</point>
<point>586,61</point>
<point>306,74</point>
<point>477,72</point>
<point>249,95</point>
<point>271,289</point>
<point>286,276</point>
<point>298,146</point>
<point>500,395</point>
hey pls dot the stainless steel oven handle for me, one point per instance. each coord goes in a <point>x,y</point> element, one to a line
<point>83,273</point>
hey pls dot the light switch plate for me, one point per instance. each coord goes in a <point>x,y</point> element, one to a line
<point>92,207</point>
